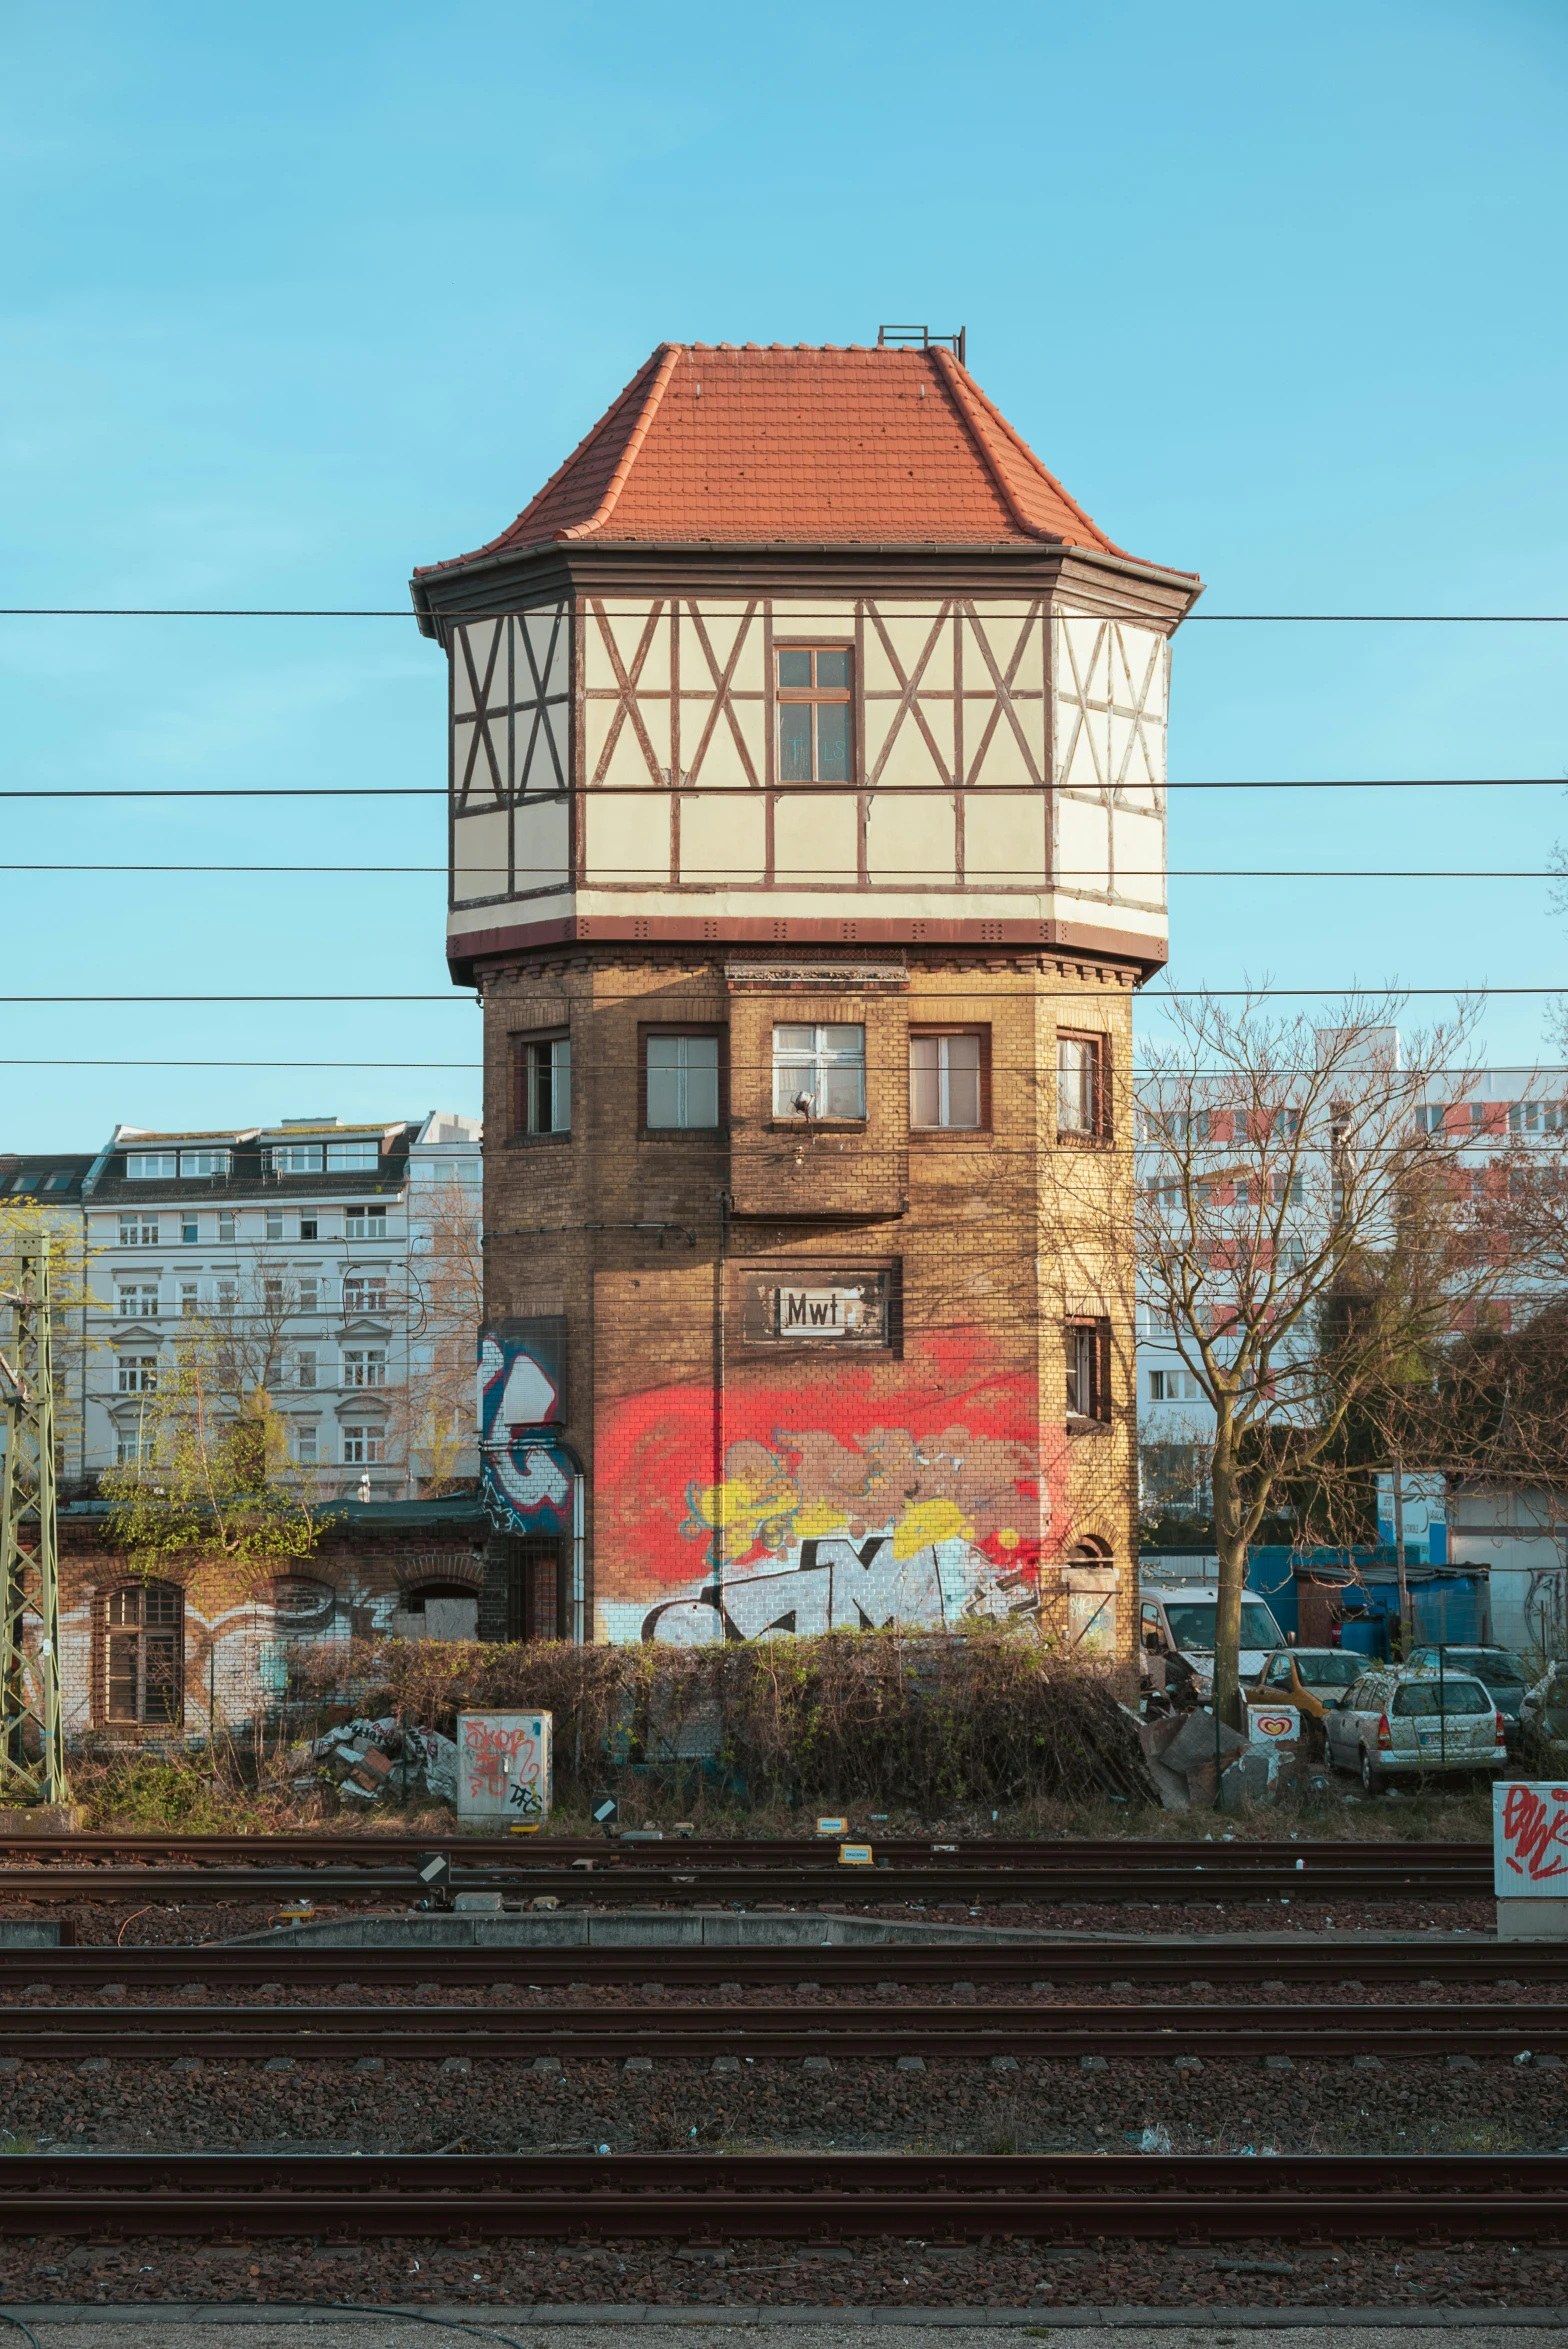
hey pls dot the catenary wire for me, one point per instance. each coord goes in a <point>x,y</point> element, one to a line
<point>639,611</point>
<point>1331,991</point>
<point>795,790</point>
<point>912,874</point>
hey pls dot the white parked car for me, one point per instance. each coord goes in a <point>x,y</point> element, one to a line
<point>1399,1724</point>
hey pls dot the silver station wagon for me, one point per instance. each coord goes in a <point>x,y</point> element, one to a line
<point>1398,1724</point>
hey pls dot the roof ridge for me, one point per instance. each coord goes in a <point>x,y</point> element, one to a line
<point>967,391</point>
<point>667,355</point>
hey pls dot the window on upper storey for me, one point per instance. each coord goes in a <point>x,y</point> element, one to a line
<point>814,691</point>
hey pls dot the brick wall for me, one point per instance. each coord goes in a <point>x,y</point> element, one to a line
<point>736,1481</point>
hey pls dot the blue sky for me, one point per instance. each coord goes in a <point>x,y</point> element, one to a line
<point>298,297</point>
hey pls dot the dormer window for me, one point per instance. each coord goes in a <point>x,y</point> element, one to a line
<point>814,685</point>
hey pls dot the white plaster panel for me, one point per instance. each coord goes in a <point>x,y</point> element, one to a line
<point>628,837</point>
<point>479,856</point>
<point>1083,657</point>
<point>1133,759</point>
<point>481,635</point>
<point>1004,634</point>
<point>1004,839</point>
<point>542,630</point>
<point>723,837</point>
<point>1139,670</point>
<point>542,844</point>
<point>537,734</point>
<point>1003,762</point>
<point>816,836</point>
<point>911,834</point>
<point>629,761</point>
<point>879,675</point>
<point>909,636</point>
<point>722,624</point>
<point>482,784</point>
<point>909,758</point>
<point>1140,856</point>
<point>1082,845</point>
<point>1080,749</point>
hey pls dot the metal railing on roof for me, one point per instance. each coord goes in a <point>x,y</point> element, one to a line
<point>920,338</point>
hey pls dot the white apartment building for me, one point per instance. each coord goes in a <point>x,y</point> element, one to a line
<point>310,1242</point>
<point>1175,1423</point>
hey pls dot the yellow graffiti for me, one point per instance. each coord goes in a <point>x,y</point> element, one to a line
<point>814,1518</point>
<point>931,1521</point>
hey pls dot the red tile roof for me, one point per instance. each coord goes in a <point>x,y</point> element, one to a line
<point>746,445</point>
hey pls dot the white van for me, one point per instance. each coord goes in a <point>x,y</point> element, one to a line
<point>1177,1622</point>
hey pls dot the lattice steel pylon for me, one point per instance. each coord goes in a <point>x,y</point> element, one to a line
<point>32,1730</point>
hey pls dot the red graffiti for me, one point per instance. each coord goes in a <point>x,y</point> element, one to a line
<point>1535,1833</point>
<point>496,1758</point>
<point>942,1442</point>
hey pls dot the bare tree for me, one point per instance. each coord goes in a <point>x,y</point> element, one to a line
<point>1306,1242</point>
<point>435,1414</point>
<point>214,1480</point>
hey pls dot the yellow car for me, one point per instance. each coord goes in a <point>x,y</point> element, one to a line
<point>1312,1678</point>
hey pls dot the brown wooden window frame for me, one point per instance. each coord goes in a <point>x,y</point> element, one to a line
<point>1095,1359</point>
<point>647,1030</point>
<point>107,1631</point>
<point>1099,1127</point>
<point>922,1028</point>
<point>524,1046</point>
<point>814,697</point>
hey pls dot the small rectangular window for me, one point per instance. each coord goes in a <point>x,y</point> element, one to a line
<point>152,1166</point>
<point>138,1301</point>
<point>310,1294</point>
<point>947,1081</point>
<point>361,1157</point>
<point>190,1300</point>
<point>1080,1086</point>
<point>365,1223</point>
<point>545,1085</point>
<point>363,1445</point>
<point>296,1158</point>
<point>138,1231</point>
<point>132,1447</point>
<point>226,1224</point>
<point>1088,1367</point>
<point>228,1296</point>
<point>364,1293</point>
<point>814,727</point>
<point>274,1293</point>
<point>364,1366</point>
<point>305,1438</point>
<point>190,1231</point>
<point>819,1071</point>
<point>204,1162</point>
<point>274,1223</point>
<point>307,1227</point>
<point>305,1367</point>
<point>682,1077</point>
<point>137,1374</point>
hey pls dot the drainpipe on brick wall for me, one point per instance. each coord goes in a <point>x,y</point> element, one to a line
<point>579,1580</point>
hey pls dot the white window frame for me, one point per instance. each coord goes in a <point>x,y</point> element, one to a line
<point>136,1374</point>
<point>365,1366</point>
<point>939,1047</point>
<point>810,1071</point>
<point>152,1166</point>
<point>139,1229</point>
<point>137,1301</point>
<point>364,1447</point>
<point>680,1066</point>
<point>365,1223</point>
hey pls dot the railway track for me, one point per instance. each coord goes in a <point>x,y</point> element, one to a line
<point>622,1883</point>
<point>429,2033</point>
<point>1218,1960</point>
<point>1062,2198</point>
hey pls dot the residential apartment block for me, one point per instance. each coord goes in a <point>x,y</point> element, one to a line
<point>308,1245</point>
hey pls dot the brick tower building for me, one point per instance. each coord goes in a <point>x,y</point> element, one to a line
<point>807,848</point>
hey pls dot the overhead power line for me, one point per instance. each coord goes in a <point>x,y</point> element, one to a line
<point>639,790</point>
<point>1332,991</point>
<point>906,873</point>
<point>911,611</point>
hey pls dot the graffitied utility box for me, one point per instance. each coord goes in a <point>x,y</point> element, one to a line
<point>504,1767</point>
<point>1530,1859</point>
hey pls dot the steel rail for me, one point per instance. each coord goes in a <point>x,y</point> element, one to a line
<point>376,1848</point>
<point>1071,2198</point>
<point>431,2033</point>
<point>1217,1959</point>
<point>623,1884</point>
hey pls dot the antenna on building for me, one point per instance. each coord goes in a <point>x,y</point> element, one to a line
<point>921,338</point>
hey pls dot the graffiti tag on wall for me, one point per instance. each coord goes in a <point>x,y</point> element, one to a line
<point>912,1493</point>
<point>525,1472</point>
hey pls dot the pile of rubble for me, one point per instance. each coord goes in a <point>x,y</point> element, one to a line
<point>370,1758</point>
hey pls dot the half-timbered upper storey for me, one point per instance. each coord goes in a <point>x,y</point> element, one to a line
<point>808,646</point>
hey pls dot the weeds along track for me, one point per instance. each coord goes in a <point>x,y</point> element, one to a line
<point>1222,1961</point>
<point>1515,2033</point>
<point>1062,2198</point>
